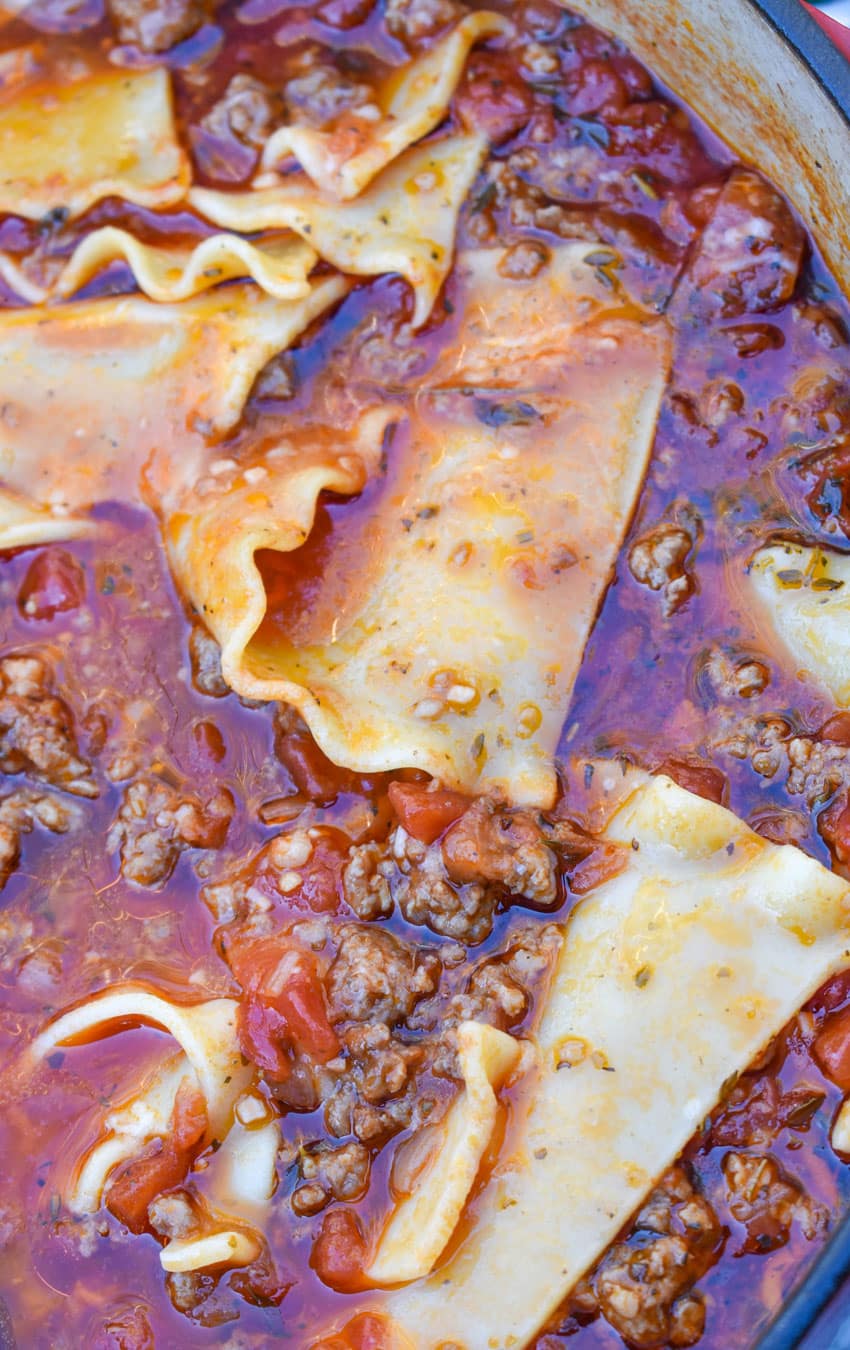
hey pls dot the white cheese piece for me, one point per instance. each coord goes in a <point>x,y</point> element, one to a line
<point>674,975</point>
<point>344,158</point>
<point>805,594</point>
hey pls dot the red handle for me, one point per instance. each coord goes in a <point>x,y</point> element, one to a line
<point>837,31</point>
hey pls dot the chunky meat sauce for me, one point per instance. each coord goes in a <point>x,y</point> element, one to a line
<point>153,826</point>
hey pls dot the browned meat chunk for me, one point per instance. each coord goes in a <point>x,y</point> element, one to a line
<point>156,823</point>
<point>767,1202</point>
<point>365,882</point>
<point>157,25</point>
<point>247,110</point>
<point>657,560</point>
<point>425,895</point>
<point>643,1286</point>
<point>329,1173</point>
<point>505,847</point>
<point>377,978</point>
<point>751,251</point>
<point>377,1097</point>
<point>757,1110</point>
<point>205,658</point>
<point>228,139</point>
<point>321,92</point>
<point>20,812</point>
<point>413,20</point>
<point>37,729</point>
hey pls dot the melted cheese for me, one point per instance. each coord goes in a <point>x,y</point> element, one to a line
<point>673,977</point>
<point>484,557</point>
<point>805,594</point>
<point>404,222</point>
<point>423,1222</point>
<point>94,392</point>
<point>280,266</point>
<point>343,159</point>
<point>100,133</point>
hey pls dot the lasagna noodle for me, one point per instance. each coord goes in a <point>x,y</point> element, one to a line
<point>101,133</point>
<point>404,222</point>
<point>804,593</point>
<point>279,264</point>
<point>424,1220</point>
<point>95,392</point>
<point>343,159</point>
<point>675,975</point>
<point>484,556</point>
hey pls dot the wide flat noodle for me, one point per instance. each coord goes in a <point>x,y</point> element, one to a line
<point>455,642</point>
<point>343,159</point>
<point>98,133</point>
<point>805,594</point>
<point>279,264</point>
<point>405,222</point>
<point>424,1220</point>
<point>674,975</point>
<point>92,393</point>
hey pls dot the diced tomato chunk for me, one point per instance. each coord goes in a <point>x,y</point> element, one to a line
<point>340,1251</point>
<point>55,582</point>
<point>837,729</point>
<point>283,1012</point>
<point>425,814</point>
<point>832,1049</point>
<point>704,780</point>
<point>163,1165</point>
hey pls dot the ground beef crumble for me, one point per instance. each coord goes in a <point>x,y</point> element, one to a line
<point>156,822</point>
<point>377,977</point>
<point>643,1286</point>
<point>157,25</point>
<point>37,734</point>
<point>20,812</point>
<point>768,1202</point>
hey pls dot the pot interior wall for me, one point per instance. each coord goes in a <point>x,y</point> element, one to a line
<point>731,65</point>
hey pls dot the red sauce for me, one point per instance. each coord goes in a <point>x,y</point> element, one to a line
<point>752,438</point>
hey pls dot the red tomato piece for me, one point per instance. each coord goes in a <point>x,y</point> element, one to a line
<point>283,1012</point>
<point>163,1166</point>
<point>340,1251</point>
<point>832,1049</point>
<point>55,582</point>
<point>425,814</point>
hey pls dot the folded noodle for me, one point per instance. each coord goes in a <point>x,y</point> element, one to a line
<point>455,641</point>
<point>404,222</point>
<point>96,392</point>
<point>673,977</point>
<point>424,1220</point>
<point>279,264</point>
<point>343,159</point>
<point>101,133</point>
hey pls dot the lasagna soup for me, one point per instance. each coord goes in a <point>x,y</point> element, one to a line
<point>424,690</point>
